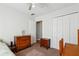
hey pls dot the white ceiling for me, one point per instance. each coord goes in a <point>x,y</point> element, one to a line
<point>40,8</point>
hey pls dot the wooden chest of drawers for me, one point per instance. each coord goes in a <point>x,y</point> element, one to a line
<point>45,42</point>
<point>22,42</point>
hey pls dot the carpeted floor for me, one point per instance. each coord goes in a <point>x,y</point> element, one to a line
<point>36,50</point>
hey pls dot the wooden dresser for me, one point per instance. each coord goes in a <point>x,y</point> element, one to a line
<point>22,42</point>
<point>45,42</point>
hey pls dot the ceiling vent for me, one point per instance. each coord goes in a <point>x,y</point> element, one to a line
<point>32,14</point>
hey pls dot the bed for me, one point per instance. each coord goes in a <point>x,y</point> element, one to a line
<point>4,50</point>
<point>68,49</point>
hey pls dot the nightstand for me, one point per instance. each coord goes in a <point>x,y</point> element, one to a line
<point>45,42</point>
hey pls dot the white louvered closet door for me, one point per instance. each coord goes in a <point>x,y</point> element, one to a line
<point>70,27</point>
<point>55,44</point>
<point>66,27</point>
<point>74,26</point>
<point>59,30</point>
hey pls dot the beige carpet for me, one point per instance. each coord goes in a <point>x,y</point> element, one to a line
<point>36,50</point>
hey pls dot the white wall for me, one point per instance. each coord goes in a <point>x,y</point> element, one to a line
<point>57,27</point>
<point>12,22</point>
<point>32,29</point>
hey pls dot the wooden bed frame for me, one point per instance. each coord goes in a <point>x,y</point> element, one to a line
<point>68,49</point>
<point>61,46</point>
<point>78,37</point>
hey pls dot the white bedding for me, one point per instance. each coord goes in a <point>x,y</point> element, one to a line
<point>5,51</point>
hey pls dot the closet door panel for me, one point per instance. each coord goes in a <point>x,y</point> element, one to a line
<point>66,28</point>
<point>50,35</point>
<point>59,30</point>
<point>55,41</point>
<point>47,26</point>
<point>77,28</point>
<point>74,27</point>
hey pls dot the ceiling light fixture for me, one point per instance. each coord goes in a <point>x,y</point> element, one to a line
<point>33,5</point>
